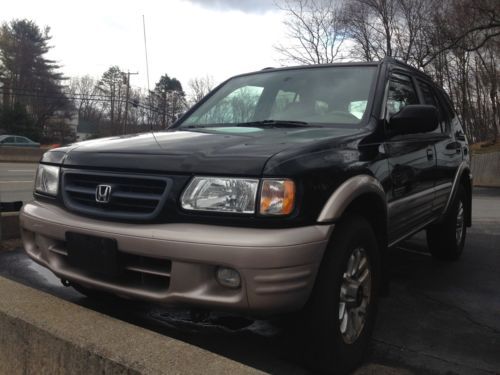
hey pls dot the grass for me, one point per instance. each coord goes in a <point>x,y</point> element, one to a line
<point>485,147</point>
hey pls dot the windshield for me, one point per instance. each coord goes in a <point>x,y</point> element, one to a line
<point>325,95</point>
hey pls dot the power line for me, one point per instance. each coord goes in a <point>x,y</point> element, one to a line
<point>101,100</point>
<point>55,93</point>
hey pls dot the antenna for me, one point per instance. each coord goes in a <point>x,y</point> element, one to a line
<point>147,67</point>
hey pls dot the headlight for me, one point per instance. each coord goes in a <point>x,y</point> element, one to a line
<point>232,195</point>
<point>277,197</point>
<point>47,179</point>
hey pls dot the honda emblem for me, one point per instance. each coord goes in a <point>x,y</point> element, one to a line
<point>103,193</point>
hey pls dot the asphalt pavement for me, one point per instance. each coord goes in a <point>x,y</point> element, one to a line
<point>440,318</point>
<point>17,181</point>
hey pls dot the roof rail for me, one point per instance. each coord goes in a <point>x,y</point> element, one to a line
<point>393,60</point>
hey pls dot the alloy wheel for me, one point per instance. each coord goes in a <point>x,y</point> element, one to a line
<point>355,294</point>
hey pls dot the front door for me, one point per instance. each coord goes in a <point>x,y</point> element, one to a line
<point>412,164</point>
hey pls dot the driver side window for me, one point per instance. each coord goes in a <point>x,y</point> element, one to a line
<point>401,93</point>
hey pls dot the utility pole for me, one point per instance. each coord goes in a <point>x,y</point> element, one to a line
<point>127,95</point>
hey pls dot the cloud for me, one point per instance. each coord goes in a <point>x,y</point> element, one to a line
<point>249,6</point>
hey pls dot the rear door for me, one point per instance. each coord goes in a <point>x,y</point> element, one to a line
<point>412,165</point>
<point>22,142</point>
<point>449,148</point>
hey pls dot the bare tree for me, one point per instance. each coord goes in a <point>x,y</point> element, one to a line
<point>455,41</point>
<point>84,92</point>
<point>397,28</point>
<point>199,87</point>
<point>465,24</point>
<point>314,29</point>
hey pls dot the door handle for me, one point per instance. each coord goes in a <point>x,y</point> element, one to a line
<point>430,154</point>
<point>454,146</point>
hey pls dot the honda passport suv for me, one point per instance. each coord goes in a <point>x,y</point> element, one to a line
<point>280,192</point>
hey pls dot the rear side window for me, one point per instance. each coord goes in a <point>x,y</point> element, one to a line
<point>401,93</point>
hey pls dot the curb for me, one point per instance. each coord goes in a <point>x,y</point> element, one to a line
<point>42,334</point>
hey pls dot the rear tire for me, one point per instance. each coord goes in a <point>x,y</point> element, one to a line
<point>340,315</point>
<point>446,239</point>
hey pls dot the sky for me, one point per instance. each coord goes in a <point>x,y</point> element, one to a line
<point>185,38</point>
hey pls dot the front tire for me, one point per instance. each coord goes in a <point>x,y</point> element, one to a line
<point>446,240</point>
<point>341,313</point>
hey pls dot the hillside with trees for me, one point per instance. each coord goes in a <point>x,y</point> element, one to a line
<point>457,42</point>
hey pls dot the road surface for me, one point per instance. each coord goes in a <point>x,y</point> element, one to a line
<point>17,181</point>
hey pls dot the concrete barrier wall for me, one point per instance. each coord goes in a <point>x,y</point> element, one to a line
<point>21,154</point>
<point>9,225</point>
<point>41,334</point>
<point>486,169</point>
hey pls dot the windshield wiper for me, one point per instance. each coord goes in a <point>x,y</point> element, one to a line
<point>275,123</point>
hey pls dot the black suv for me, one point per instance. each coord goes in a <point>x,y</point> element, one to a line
<point>279,192</point>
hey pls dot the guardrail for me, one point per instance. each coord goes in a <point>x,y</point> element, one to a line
<point>21,154</point>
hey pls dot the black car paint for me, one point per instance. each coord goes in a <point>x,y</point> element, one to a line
<point>318,159</point>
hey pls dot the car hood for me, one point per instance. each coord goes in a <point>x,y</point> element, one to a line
<point>223,150</point>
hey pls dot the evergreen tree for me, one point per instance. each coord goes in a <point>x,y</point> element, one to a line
<point>28,79</point>
<point>170,98</point>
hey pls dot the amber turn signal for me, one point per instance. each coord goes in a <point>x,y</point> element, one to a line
<point>277,197</point>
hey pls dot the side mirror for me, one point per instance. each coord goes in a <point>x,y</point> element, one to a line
<point>414,118</point>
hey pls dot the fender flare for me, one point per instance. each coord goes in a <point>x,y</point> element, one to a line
<point>347,192</point>
<point>462,168</point>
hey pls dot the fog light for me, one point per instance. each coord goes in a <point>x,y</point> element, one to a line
<point>228,277</point>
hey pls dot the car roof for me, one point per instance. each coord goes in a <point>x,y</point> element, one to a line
<point>3,136</point>
<point>311,66</point>
<point>386,60</point>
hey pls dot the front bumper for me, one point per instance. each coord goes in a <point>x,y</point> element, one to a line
<point>277,266</point>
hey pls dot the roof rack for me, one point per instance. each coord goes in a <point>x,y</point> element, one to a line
<point>399,62</point>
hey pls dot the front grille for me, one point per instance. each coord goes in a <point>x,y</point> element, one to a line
<point>132,197</point>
